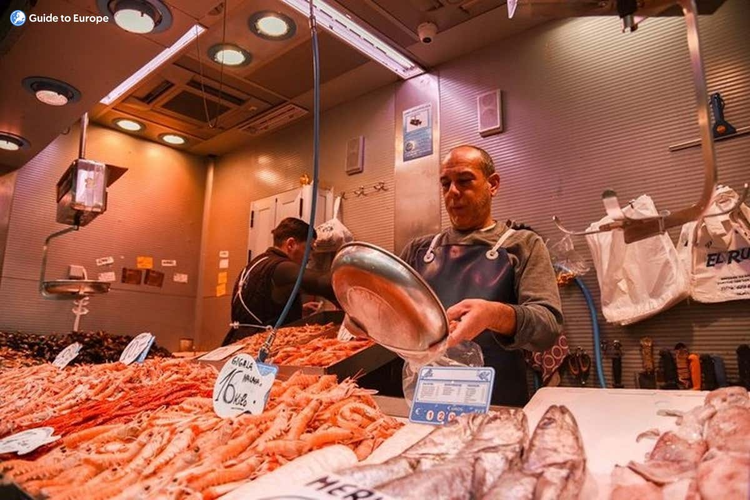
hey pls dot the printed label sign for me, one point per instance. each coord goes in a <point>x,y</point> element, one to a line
<point>109,276</point>
<point>144,262</point>
<point>221,353</point>
<point>67,355</point>
<point>242,386</point>
<point>326,487</point>
<point>223,254</point>
<point>417,129</point>
<point>224,264</point>
<point>137,349</point>
<point>27,441</point>
<point>105,261</point>
<point>180,278</point>
<point>443,393</point>
<point>168,263</point>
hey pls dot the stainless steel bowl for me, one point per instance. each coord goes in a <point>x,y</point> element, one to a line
<point>389,299</point>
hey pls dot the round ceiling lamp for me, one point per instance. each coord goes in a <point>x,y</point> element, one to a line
<point>137,16</point>
<point>229,54</point>
<point>272,25</point>
<point>129,125</point>
<point>12,142</point>
<point>174,139</point>
<point>50,91</point>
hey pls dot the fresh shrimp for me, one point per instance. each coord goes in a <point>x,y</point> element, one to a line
<point>287,448</point>
<point>325,383</point>
<point>73,440</point>
<point>300,421</point>
<point>333,435</point>
<point>276,429</point>
<point>364,449</point>
<point>222,476</point>
<point>148,452</point>
<point>235,446</point>
<point>177,446</point>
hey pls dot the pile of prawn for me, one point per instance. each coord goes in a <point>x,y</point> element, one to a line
<point>187,452</point>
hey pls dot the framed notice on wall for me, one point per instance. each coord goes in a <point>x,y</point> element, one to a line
<point>417,132</point>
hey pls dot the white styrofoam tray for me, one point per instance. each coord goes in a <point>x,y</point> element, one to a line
<point>610,420</point>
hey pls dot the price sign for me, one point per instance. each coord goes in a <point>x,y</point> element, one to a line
<point>67,355</point>
<point>242,386</point>
<point>443,393</point>
<point>27,441</point>
<point>137,349</point>
<point>221,352</point>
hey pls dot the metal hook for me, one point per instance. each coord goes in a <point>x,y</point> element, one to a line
<point>736,206</point>
<point>380,186</point>
<point>360,191</point>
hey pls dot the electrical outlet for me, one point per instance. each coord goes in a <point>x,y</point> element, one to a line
<point>76,272</point>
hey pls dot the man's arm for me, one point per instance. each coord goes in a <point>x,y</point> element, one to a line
<point>313,282</point>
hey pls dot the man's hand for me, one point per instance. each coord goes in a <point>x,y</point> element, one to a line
<point>473,316</point>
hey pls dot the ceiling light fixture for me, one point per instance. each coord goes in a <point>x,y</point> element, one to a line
<point>137,16</point>
<point>174,139</point>
<point>272,25</point>
<point>129,125</point>
<point>359,37</point>
<point>152,65</point>
<point>12,142</point>
<point>229,54</point>
<point>51,91</point>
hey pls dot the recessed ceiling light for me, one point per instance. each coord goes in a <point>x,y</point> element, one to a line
<point>272,25</point>
<point>129,125</point>
<point>137,16</point>
<point>12,142</point>
<point>174,139</point>
<point>229,55</point>
<point>51,91</point>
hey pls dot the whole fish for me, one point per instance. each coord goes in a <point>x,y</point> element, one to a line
<point>556,455</point>
<point>451,480</point>
<point>514,484</point>
<point>372,475</point>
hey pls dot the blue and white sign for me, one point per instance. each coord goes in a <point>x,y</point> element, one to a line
<point>17,18</point>
<point>417,132</point>
<point>443,393</point>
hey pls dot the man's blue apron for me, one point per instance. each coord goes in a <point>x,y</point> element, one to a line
<point>478,271</point>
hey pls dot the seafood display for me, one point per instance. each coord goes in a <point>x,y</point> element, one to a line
<point>707,456</point>
<point>285,337</point>
<point>319,352</point>
<point>88,395</point>
<point>186,451</point>
<point>98,347</point>
<point>11,359</point>
<point>485,456</point>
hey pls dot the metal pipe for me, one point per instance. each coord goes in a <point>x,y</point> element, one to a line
<point>82,140</point>
<point>44,256</point>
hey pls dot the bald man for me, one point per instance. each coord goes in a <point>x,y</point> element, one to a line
<point>498,283</point>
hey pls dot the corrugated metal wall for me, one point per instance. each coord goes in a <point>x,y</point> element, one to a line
<point>274,164</point>
<point>588,107</point>
<point>154,210</point>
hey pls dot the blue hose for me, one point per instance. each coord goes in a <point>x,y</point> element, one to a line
<point>263,354</point>
<point>595,327</point>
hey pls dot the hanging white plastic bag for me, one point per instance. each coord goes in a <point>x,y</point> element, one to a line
<point>332,234</point>
<point>640,279</point>
<point>715,251</point>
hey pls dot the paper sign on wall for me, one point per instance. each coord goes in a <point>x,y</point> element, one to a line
<point>224,264</point>
<point>222,278</point>
<point>168,263</point>
<point>242,386</point>
<point>144,262</point>
<point>109,276</point>
<point>180,278</point>
<point>221,290</point>
<point>223,254</point>
<point>105,261</point>
<point>417,126</point>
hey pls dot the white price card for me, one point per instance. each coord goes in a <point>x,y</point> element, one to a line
<point>242,386</point>
<point>105,261</point>
<point>137,348</point>
<point>221,353</point>
<point>109,276</point>
<point>224,264</point>
<point>443,393</point>
<point>168,263</point>
<point>67,355</point>
<point>180,278</point>
<point>27,441</point>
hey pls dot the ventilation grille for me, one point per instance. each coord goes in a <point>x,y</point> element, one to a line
<point>191,106</point>
<point>157,91</point>
<point>277,117</point>
<point>223,95</point>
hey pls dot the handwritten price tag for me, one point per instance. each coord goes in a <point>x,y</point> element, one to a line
<point>27,441</point>
<point>137,348</point>
<point>67,355</point>
<point>221,353</point>
<point>243,386</point>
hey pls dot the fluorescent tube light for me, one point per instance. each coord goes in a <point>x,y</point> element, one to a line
<point>153,64</point>
<point>358,37</point>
